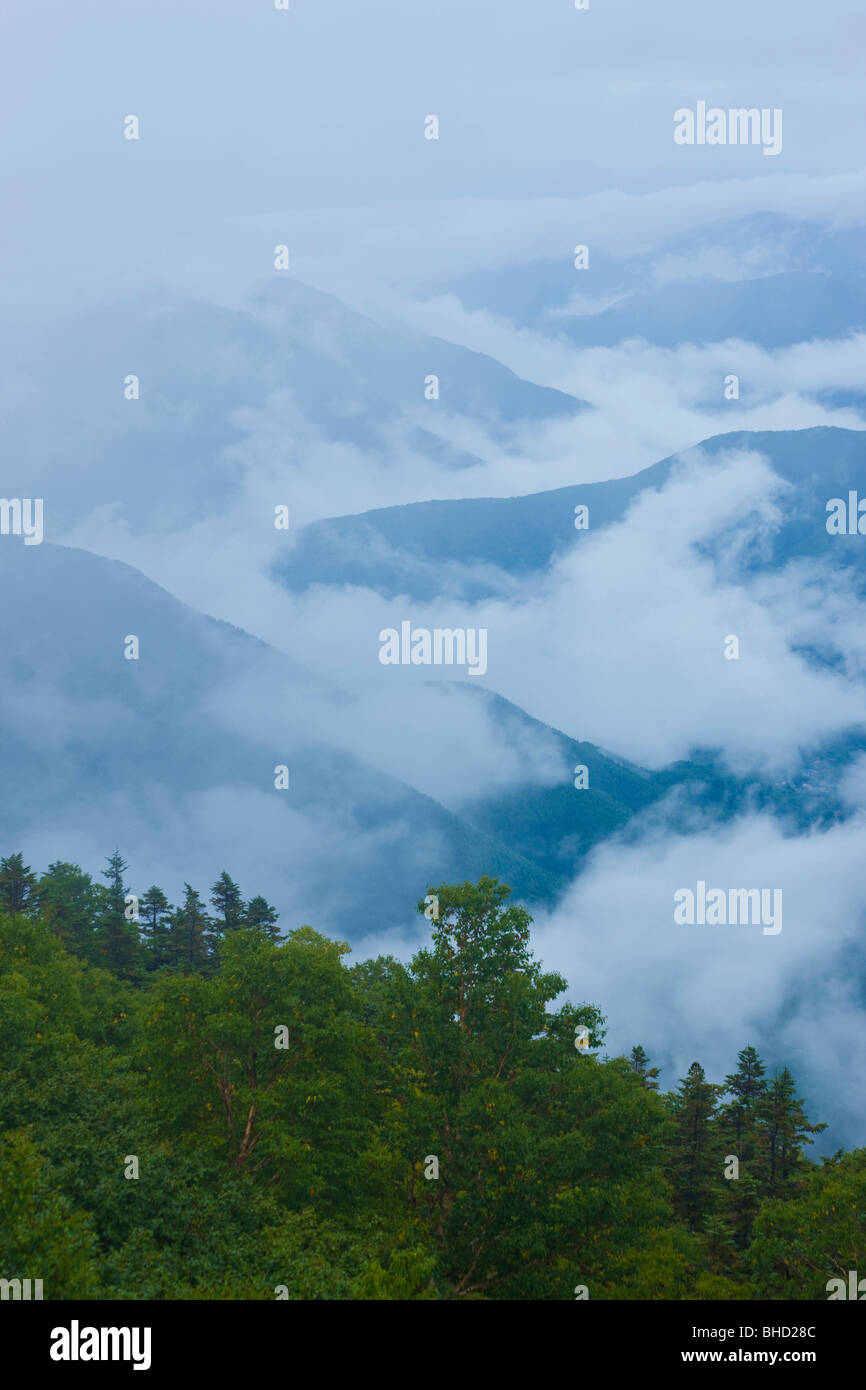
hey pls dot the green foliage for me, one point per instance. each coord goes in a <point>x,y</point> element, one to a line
<point>17,885</point>
<point>118,941</point>
<point>68,901</point>
<point>800,1243</point>
<point>259,915</point>
<point>226,898</point>
<point>188,934</point>
<point>640,1063</point>
<point>41,1237</point>
<point>387,1131</point>
<point>156,927</point>
<point>695,1159</point>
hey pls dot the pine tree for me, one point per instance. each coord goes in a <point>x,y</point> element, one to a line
<point>640,1063</point>
<point>17,885</point>
<point>695,1161</point>
<point>155,917</point>
<point>786,1129</point>
<point>742,1130</point>
<point>226,898</point>
<point>259,913</point>
<point>189,933</point>
<point>118,936</point>
<point>747,1086</point>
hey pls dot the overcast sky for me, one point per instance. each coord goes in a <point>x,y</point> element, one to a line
<point>289,119</point>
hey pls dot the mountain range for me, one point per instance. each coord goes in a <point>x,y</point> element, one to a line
<point>476,547</point>
<point>96,747</point>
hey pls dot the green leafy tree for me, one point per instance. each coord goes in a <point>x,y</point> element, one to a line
<point>69,901</point>
<point>533,1194</point>
<point>264,1068</point>
<point>64,1028</point>
<point>319,1258</point>
<point>41,1236</point>
<point>801,1243</point>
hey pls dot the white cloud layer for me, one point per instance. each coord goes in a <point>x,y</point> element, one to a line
<point>701,993</point>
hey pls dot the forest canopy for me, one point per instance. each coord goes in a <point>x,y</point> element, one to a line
<point>193,1106</point>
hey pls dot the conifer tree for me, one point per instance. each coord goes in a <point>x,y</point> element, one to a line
<point>226,899</point>
<point>259,913</point>
<point>786,1129</point>
<point>695,1161</point>
<point>118,937</point>
<point>742,1133</point>
<point>190,927</point>
<point>155,913</point>
<point>747,1086</point>
<point>17,885</point>
<point>640,1063</point>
